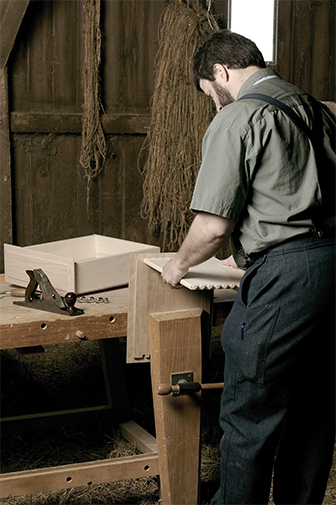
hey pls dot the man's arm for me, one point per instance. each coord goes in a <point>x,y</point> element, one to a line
<point>207,235</point>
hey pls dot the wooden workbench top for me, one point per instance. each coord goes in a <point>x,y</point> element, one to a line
<point>11,313</point>
<point>26,327</point>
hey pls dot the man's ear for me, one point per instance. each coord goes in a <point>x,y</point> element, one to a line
<point>221,71</point>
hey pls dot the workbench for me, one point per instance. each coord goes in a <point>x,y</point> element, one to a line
<point>27,328</point>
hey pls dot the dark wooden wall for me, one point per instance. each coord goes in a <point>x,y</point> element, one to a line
<point>43,192</point>
<point>46,97</point>
<point>306,46</point>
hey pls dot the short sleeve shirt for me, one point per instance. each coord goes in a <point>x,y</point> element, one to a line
<point>258,168</point>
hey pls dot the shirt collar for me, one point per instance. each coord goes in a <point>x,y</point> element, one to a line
<point>262,74</point>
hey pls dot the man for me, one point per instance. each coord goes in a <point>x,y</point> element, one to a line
<point>270,188</point>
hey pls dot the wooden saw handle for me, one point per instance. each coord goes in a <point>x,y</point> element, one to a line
<point>14,292</point>
<point>18,292</point>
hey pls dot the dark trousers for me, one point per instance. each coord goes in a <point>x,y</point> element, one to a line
<point>279,378</point>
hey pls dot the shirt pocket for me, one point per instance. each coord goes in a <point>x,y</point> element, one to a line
<point>256,334</point>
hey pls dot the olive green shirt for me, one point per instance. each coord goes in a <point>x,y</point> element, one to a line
<point>258,168</point>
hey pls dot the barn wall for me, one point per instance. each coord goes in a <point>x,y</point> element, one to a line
<point>306,46</point>
<point>45,82</point>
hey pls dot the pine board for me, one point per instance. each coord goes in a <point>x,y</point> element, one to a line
<point>208,275</point>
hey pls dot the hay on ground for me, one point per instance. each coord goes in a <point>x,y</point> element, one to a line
<point>73,371</point>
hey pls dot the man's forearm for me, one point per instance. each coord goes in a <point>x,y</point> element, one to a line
<point>207,235</point>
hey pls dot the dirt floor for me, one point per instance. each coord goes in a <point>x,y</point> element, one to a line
<point>70,376</point>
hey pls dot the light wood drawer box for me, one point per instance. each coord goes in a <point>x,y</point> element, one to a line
<point>82,265</point>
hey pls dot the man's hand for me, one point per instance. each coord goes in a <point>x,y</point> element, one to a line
<point>207,235</point>
<point>172,274</point>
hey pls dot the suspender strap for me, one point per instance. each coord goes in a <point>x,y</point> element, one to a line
<point>273,101</point>
<point>325,167</point>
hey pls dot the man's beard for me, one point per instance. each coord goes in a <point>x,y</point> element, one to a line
<point>225,98</point>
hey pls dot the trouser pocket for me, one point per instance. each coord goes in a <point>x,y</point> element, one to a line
<point>256,334</point>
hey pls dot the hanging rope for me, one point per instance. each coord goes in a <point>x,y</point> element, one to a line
<point>180,116</point>
<point>93,151</point>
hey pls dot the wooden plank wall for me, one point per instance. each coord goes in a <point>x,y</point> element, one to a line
<point>11,15</point>
<point>306,46</point>
<point>45,103</point>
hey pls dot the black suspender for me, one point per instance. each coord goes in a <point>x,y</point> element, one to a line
<point>326,168</point>
<point>273,101</point>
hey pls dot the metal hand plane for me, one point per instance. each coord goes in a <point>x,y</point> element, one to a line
<point>49,300</point>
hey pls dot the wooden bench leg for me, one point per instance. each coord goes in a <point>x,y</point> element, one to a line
<point>176,348</point>
<point>114,376</point>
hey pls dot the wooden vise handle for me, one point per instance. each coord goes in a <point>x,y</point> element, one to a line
<point>184,388</point>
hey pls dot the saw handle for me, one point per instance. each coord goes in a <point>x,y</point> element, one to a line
<point>17,292</point>
<point>14,292</point>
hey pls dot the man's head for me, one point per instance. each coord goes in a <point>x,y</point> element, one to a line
<point>223,51</point>
<point>226,48</point>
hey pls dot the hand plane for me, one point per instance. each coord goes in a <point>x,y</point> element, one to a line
<point>49,300</point>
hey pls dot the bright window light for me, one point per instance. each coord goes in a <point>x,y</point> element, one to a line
<point>256,20</point>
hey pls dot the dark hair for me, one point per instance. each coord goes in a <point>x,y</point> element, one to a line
<point>227,48</point>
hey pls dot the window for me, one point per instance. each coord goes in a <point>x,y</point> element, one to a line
<point>256,20</point>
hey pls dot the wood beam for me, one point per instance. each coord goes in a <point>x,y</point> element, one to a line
<point>139,437</point>
<point>176,348</point>
<point>47,420</point>
<point>78,474</point>
<point>114,377</point>
<point>50,330</point>
<point>24,122</point>
<point>28,122</point>
<point>6,221</point>
<point>11,15</point>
